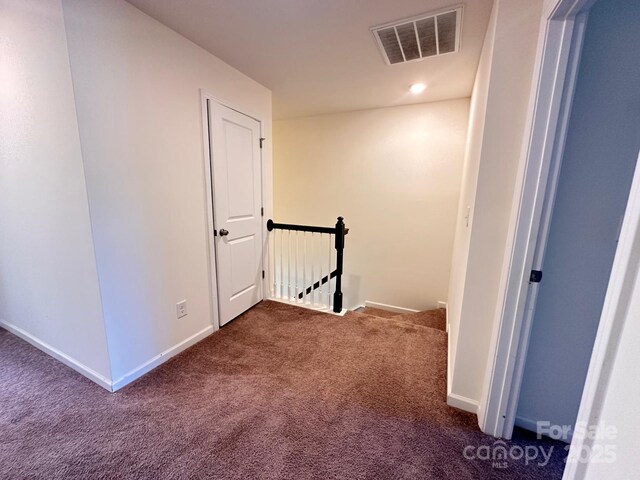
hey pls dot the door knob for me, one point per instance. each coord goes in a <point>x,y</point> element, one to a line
<point>224,232</point>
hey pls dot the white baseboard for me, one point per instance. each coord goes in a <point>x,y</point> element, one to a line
<point>96,377</point>
<point>453,399</point>
<point>58,355</point>
<point>449,364</point>
<point>149,365</point>
<point>390,308</point>
<point>445,305</point>
<point>462,403</point>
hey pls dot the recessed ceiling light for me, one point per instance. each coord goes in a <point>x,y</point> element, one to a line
<point>417,88</point>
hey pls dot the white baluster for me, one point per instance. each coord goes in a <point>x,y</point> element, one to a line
<point>329,274</point>
<point>321,288</point>
<point>304,267</point>
<point>272,246</point>
<point>313,262</point>
<point>296,274</point>
<point>285,264</point>
<point>319,264</point>
<point>289,265</point>
<point>281,264</point>
<point>275,263</point>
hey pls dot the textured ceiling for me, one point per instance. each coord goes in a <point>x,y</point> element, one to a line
<point>319,56</point>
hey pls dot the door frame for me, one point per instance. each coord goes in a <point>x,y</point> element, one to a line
<point>266,198</point>
<point>560,41</point>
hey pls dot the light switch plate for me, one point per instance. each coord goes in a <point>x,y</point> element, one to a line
<point>181,308</point>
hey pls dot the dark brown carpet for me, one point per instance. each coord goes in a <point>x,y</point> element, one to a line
<point>436,318</point>
<point>280,392</point>
<point>378,312</point>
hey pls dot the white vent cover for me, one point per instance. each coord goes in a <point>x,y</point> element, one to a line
<point>420,37</point>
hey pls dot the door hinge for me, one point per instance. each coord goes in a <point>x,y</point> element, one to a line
<point>262,273</point>
<point>262,139</point>
<point>262,211</point>
<point>536,276</point>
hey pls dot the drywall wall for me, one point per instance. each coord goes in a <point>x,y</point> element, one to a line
<point>137,86</point>
<point>495,146</point>
<point>471,164</point>
<point>595,178</point>
<point>394,175</point>
<point>48,283</point>
<point>614,453</point>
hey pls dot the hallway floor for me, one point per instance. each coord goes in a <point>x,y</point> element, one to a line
<point>280,392</point>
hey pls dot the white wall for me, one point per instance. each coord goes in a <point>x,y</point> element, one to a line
<point>137,86</point>
<point>48,282</point>
<point>495,145</point>
<point>471,165</point>
<point>597,168</point>
<point>394,174</point>
<point>617,406</point>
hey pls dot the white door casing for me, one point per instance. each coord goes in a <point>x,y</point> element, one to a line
<point>560,42</point>
<point>237,203</point>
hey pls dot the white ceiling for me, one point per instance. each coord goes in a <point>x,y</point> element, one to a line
<point>319,56</point>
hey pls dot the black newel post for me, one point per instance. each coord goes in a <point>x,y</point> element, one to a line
<point>337,296</point>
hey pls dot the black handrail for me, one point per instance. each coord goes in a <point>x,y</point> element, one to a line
<point>299,228</point>
<point>316,285</point>
<point>339,231</point>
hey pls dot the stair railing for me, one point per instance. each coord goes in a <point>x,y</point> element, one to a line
<point>300,259</point>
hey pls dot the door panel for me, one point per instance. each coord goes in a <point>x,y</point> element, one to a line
<point>241,201</point>
<point>237,200</point>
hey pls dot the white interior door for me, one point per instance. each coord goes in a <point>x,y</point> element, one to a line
<point>237,203</point>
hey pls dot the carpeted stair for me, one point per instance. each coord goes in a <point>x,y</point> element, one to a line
<point>429,318</point>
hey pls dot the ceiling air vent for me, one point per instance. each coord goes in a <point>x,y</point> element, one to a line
<point>420,37</point>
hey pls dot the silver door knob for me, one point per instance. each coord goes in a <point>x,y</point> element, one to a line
<point>224,232</point>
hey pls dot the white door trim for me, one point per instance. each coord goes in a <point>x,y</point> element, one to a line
<point>267,195</point>
<point>559,46</point>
